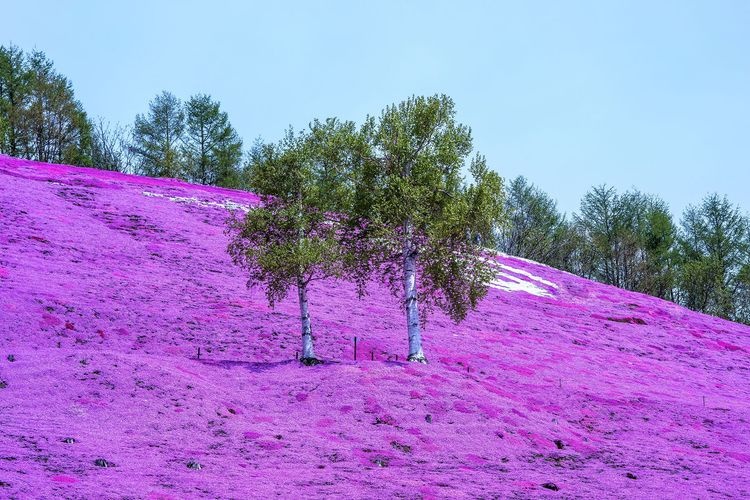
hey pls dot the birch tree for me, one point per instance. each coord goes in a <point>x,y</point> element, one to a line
<point>422,228</point>
<point>292,238</point>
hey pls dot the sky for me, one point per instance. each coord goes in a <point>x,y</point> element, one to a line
<point>653,95</point>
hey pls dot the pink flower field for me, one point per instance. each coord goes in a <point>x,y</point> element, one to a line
<point>134,362</point>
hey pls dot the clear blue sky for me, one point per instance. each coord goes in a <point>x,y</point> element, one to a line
<point>650,94</point>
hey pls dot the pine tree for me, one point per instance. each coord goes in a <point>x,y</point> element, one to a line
<point>417,222</point>
<point>212,148</point>
<point>600,222</point>
<point>628,240</point>
<point>659,256</point>
<point>157,137</point>
<point>715,252</point>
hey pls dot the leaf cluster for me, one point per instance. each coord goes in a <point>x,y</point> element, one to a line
<point>192,140</point>
<point>40,118</point>
<point>411,197</point>
<point>347,201</point>
<point>294,236</point>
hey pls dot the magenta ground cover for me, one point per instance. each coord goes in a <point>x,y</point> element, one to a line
<point>110,284</point>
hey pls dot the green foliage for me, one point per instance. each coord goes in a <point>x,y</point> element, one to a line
<point>212,149</point>
<point>602,222</point>
<point>157,137</point>
<point>658,239</point>
<point>715,254</point>
<point>40,118</point>
<point>742,295</point>
<point>14,91</point>
<point>295,235</point>
<point>631,241</point>
<point>338,149</point>
<point>338,201</point>
<point>572,252</point>
<point>628,240</point>
<point>535,228</point>
<point>456,272</point>
<point>291,239</point>
<point>411,200</point>
<point>79,151</point>
<point>194,141</point>
<point>284,245</point>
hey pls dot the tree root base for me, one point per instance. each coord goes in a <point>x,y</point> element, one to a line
<point>311,361</point>
<point>417,358</point>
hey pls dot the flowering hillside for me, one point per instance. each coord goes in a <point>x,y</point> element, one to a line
<point>135,362</point>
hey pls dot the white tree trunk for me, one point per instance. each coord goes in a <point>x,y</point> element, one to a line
<point>307,340</point>
<point>410,297</point>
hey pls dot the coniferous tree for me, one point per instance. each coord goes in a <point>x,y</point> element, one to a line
<point>628,240</point>
<point>421,225</point>
<point>573,253</point>
<point>157,137</point>
<point>212,148</point>
<point>659,237</point>
<point>714,252</point>
<point>600,223</point>
<point>742,294</point>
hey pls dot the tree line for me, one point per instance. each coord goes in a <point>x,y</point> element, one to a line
<point>629,240</point>
<point>41,119</point>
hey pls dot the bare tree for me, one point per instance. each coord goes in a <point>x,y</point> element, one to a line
<point>111,149</point>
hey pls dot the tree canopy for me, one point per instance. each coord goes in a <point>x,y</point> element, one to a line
<point>157,137</point>
<point>425,229</point>
<point>40,118</point>
<point>291,239</point>
<point>715,252</point>
<point>534,229</point>
<point>212,149</point>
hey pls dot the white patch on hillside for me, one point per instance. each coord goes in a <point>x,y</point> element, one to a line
<point>528,282</point>
<point>227,204</point>
<point>528,275</point>
<point>520,281</point>
<point>503,254</point>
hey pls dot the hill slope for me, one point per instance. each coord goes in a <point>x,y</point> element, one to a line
<point>110,283</point>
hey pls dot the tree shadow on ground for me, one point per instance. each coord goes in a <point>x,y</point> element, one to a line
<point>253,366</point>
<point>256,366</point>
